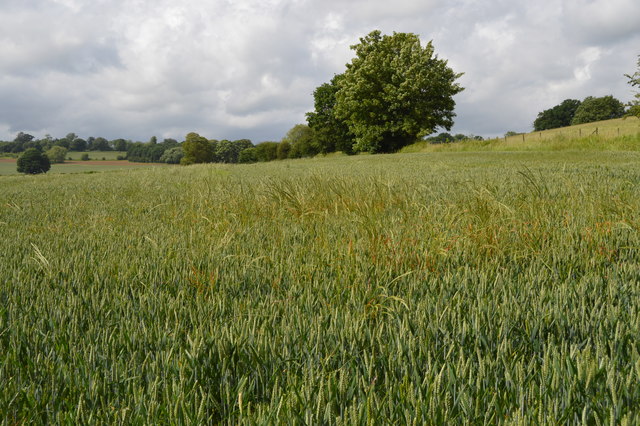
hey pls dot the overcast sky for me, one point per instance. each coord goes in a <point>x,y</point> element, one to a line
<point>247,68</point>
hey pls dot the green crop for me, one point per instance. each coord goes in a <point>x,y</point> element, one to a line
<point>433,288</point>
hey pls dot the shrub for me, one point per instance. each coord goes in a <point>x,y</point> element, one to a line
<point>56,154</point>
<point>33,162</point>
<point>85,157</point>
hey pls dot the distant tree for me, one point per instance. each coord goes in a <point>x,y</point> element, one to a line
<point>172,155</point>
<point>78,144</point>
<point>511,133</point>
<point>85,157</point>
<point>331,134</point>
<point>634,81</point>
<point>197,149</point>
<point>119,144</point>
<point>302,141</point>
<point>23,137</point>
<point>32,161</point>
<point>57,154</point>
<point>153,140</point>
<point>283,151</point>
<point>443,137</point>
<point>229,151</point>
<point>266,151</point>
<point>100,144</point>
<point>248,155</point>
<point>394,92</point>
<point>559,116</point>
<point>598,109</point>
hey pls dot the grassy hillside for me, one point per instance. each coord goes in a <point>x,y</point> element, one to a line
<point>619,135</point>
<point>432,288</point>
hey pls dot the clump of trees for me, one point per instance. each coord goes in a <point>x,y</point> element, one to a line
<point>598,109</point>
<point>559,116</point>
<point>571,112</point>
<point>446,137</point>
<point>33,162</point>
<point>392,94</point>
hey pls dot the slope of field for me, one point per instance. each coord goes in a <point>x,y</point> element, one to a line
<point>432,288</point>
<point>621,134</point>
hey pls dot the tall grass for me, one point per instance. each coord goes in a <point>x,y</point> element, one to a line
<point>613,135</point>
<point>425,288</point>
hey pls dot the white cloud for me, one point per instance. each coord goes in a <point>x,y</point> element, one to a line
<point>247,68</point>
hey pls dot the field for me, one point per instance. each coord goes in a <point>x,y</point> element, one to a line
<point>619,135</point>
<point>8,165</point>
<point>427,288</point>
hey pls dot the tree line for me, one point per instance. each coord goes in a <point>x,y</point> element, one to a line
<point>571,112</point>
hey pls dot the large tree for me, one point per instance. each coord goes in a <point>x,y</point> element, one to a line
<point>559,116</point>
<point>394,92</point>
<point>331,134</point>
<point>197,149</point>
<point>598,109</point>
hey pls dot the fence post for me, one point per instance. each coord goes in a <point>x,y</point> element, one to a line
<point>523,137</point>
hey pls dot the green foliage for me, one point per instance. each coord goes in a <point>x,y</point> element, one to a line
<point>634,81</point>
<point>248,155</point>
<point>598,109</point>
<point>85,157</point>
<point>229,151</point>
<point>448,288</point>
<point>57,154</point>
<point>559,116</point>
<point>172,155</point>
<point>331,134</point>
<point>78,144</point>
<point>197,149</point>
<point>395,91</point>
<point>284,150</point>
<point>302,141</point>
<point>266,151</point>
<point>33,162</point>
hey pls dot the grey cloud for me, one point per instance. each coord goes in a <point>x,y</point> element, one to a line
<point>231,69</point>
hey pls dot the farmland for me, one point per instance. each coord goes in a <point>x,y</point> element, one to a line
<point>437,287</point>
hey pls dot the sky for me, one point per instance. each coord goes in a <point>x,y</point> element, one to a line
<point>232,69</point>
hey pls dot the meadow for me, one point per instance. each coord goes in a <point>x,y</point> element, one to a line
<point>428,288</point>
<point>618,135</point>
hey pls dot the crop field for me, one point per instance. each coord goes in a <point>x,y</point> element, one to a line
<point>8,166</point>
<point>618,135</point>
<point>97,155</point>
<point>427,288</point>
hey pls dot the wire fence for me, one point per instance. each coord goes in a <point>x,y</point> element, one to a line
<point>628,127</point>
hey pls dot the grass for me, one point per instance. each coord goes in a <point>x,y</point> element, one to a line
<point>9,168</point>
<point>433,288</point>
<point>97,155</point>
<point>619,134</point>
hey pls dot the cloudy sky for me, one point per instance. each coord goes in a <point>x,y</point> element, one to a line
<point>247,68</point>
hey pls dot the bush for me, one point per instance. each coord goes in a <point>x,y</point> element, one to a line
<point>121,157</point>
<point>248,155</point>
<point>56,154</point>
<point>85,157</point>
<point>33,162</point>
<point>172,155</point>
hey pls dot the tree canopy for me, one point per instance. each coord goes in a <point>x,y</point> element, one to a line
<point>33,162</point>
<point>394,91</point>
<point>196,149</point>
<point>559,116</point>
<point>331,134</point>
<point>597,109</point>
